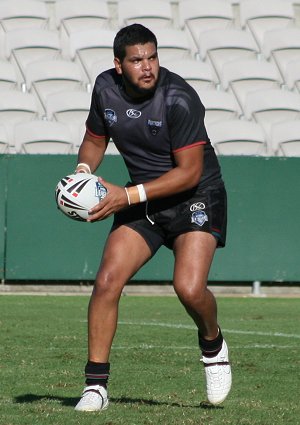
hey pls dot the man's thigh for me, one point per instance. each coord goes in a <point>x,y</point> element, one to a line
<point>194,252</point>
<point>124,254</point>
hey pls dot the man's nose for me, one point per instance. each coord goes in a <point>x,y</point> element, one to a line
<point>146,64</point>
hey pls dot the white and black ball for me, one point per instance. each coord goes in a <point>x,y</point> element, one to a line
<point>76,194</point>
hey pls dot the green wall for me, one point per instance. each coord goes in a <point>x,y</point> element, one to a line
<point>3,185</point>
<point>37,242</point>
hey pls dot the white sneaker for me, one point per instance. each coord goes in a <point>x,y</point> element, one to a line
<point>93,398</point>
<point>218,376</point>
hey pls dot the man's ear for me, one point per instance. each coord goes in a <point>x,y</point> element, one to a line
<point>118,66</point>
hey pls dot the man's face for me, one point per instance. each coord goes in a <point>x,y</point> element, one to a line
<point>139,69</point>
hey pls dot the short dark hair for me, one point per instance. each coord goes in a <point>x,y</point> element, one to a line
<point>130,36</point>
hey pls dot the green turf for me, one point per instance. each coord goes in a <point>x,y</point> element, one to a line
<point>156,376</point>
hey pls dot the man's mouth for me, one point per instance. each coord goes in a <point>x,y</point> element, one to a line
<point>147,78</point>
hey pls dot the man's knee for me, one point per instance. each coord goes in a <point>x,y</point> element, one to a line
<point>107,285</point>
<point>190,294</point>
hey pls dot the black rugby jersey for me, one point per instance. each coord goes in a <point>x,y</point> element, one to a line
<point>148,132</point>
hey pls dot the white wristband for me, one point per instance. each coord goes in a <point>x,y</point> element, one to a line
<point>142,192</point>
<point>83,166</point>
<point>128,198</point>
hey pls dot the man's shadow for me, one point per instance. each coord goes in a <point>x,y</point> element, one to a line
<point>71,401</point>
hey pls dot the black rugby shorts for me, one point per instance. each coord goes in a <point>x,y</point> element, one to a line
<point>159,222</point>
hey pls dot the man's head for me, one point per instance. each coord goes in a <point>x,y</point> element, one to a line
<point>131,35</point>
<point>135,51</point>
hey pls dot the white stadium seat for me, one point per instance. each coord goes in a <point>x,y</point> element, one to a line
<point>152,14</point>
<point>99,66</point>
<point>4,141</point>
<point>237,137</point>
<point>261,16</point>
<point>90,46</point>
<point>17,107</point>
<point>202,15</point>
<point>173,44</point>
<point>285,138</point>
<point>52,76</point>
<point>199,75</point>
<point>42,137</point>
<point>8,76</point>
<point>219,105</point>
<point>70,108</point>
<point>292,75</point>
<point>271,106</point>
<point>19,14</point>
<point>29,45</point>
<point>244,76</point>
<point>76,15</point>
<point>221,46</point>
<point>282,46</point>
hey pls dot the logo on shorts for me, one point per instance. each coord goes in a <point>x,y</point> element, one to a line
<point>199,217</point>
<point>197,206</point>
<point>133,113</point>
<point>110,117</point>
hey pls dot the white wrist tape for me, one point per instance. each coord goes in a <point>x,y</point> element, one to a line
<point>142,192</point>
<point>128,198</point>
<point>83,166</point>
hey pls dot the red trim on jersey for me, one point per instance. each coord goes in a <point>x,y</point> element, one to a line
<point>202,142</point>
<point>93,134</point>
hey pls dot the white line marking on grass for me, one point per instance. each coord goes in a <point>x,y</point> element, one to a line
<point>194,348</point>
<point>191,327</point>
<point>279,334</point>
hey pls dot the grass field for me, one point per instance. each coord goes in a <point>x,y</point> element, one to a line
<point>156,376</point>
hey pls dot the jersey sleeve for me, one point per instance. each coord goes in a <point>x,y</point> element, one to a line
<point>95,124</point>
<point>186,119</point>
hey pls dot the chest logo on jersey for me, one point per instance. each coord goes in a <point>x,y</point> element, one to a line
<point>133,113</point>
<point>154,126</point>
<point>110,117</point>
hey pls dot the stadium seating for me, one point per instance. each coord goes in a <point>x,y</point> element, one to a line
<point>244,76</point>
<point>233,52</point>
<point>292,75</point>
<point>42,137</point>
<point>23,46</point>
<point>153,14</point>
<point>201,15</point>
<point>223,45</point>
<point>219,105</point>
<point>285,138</point>
<point>52,76</point>
<point>78,15</point>
<point>89,46</point>
<point>271,106</point>
<point>19,14</point>
<point>282,46</point>
<point>173,44</point>
<point>17,107</point>
<point>99,66</point>
<point>199,75</point>
<point>4,142</point>
<point>237,137</point>
<point>8,76</point>
<point>69,108</point>
<point>262,16</point>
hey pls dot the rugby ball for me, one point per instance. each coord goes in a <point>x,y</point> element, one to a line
<point>76,194</point>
